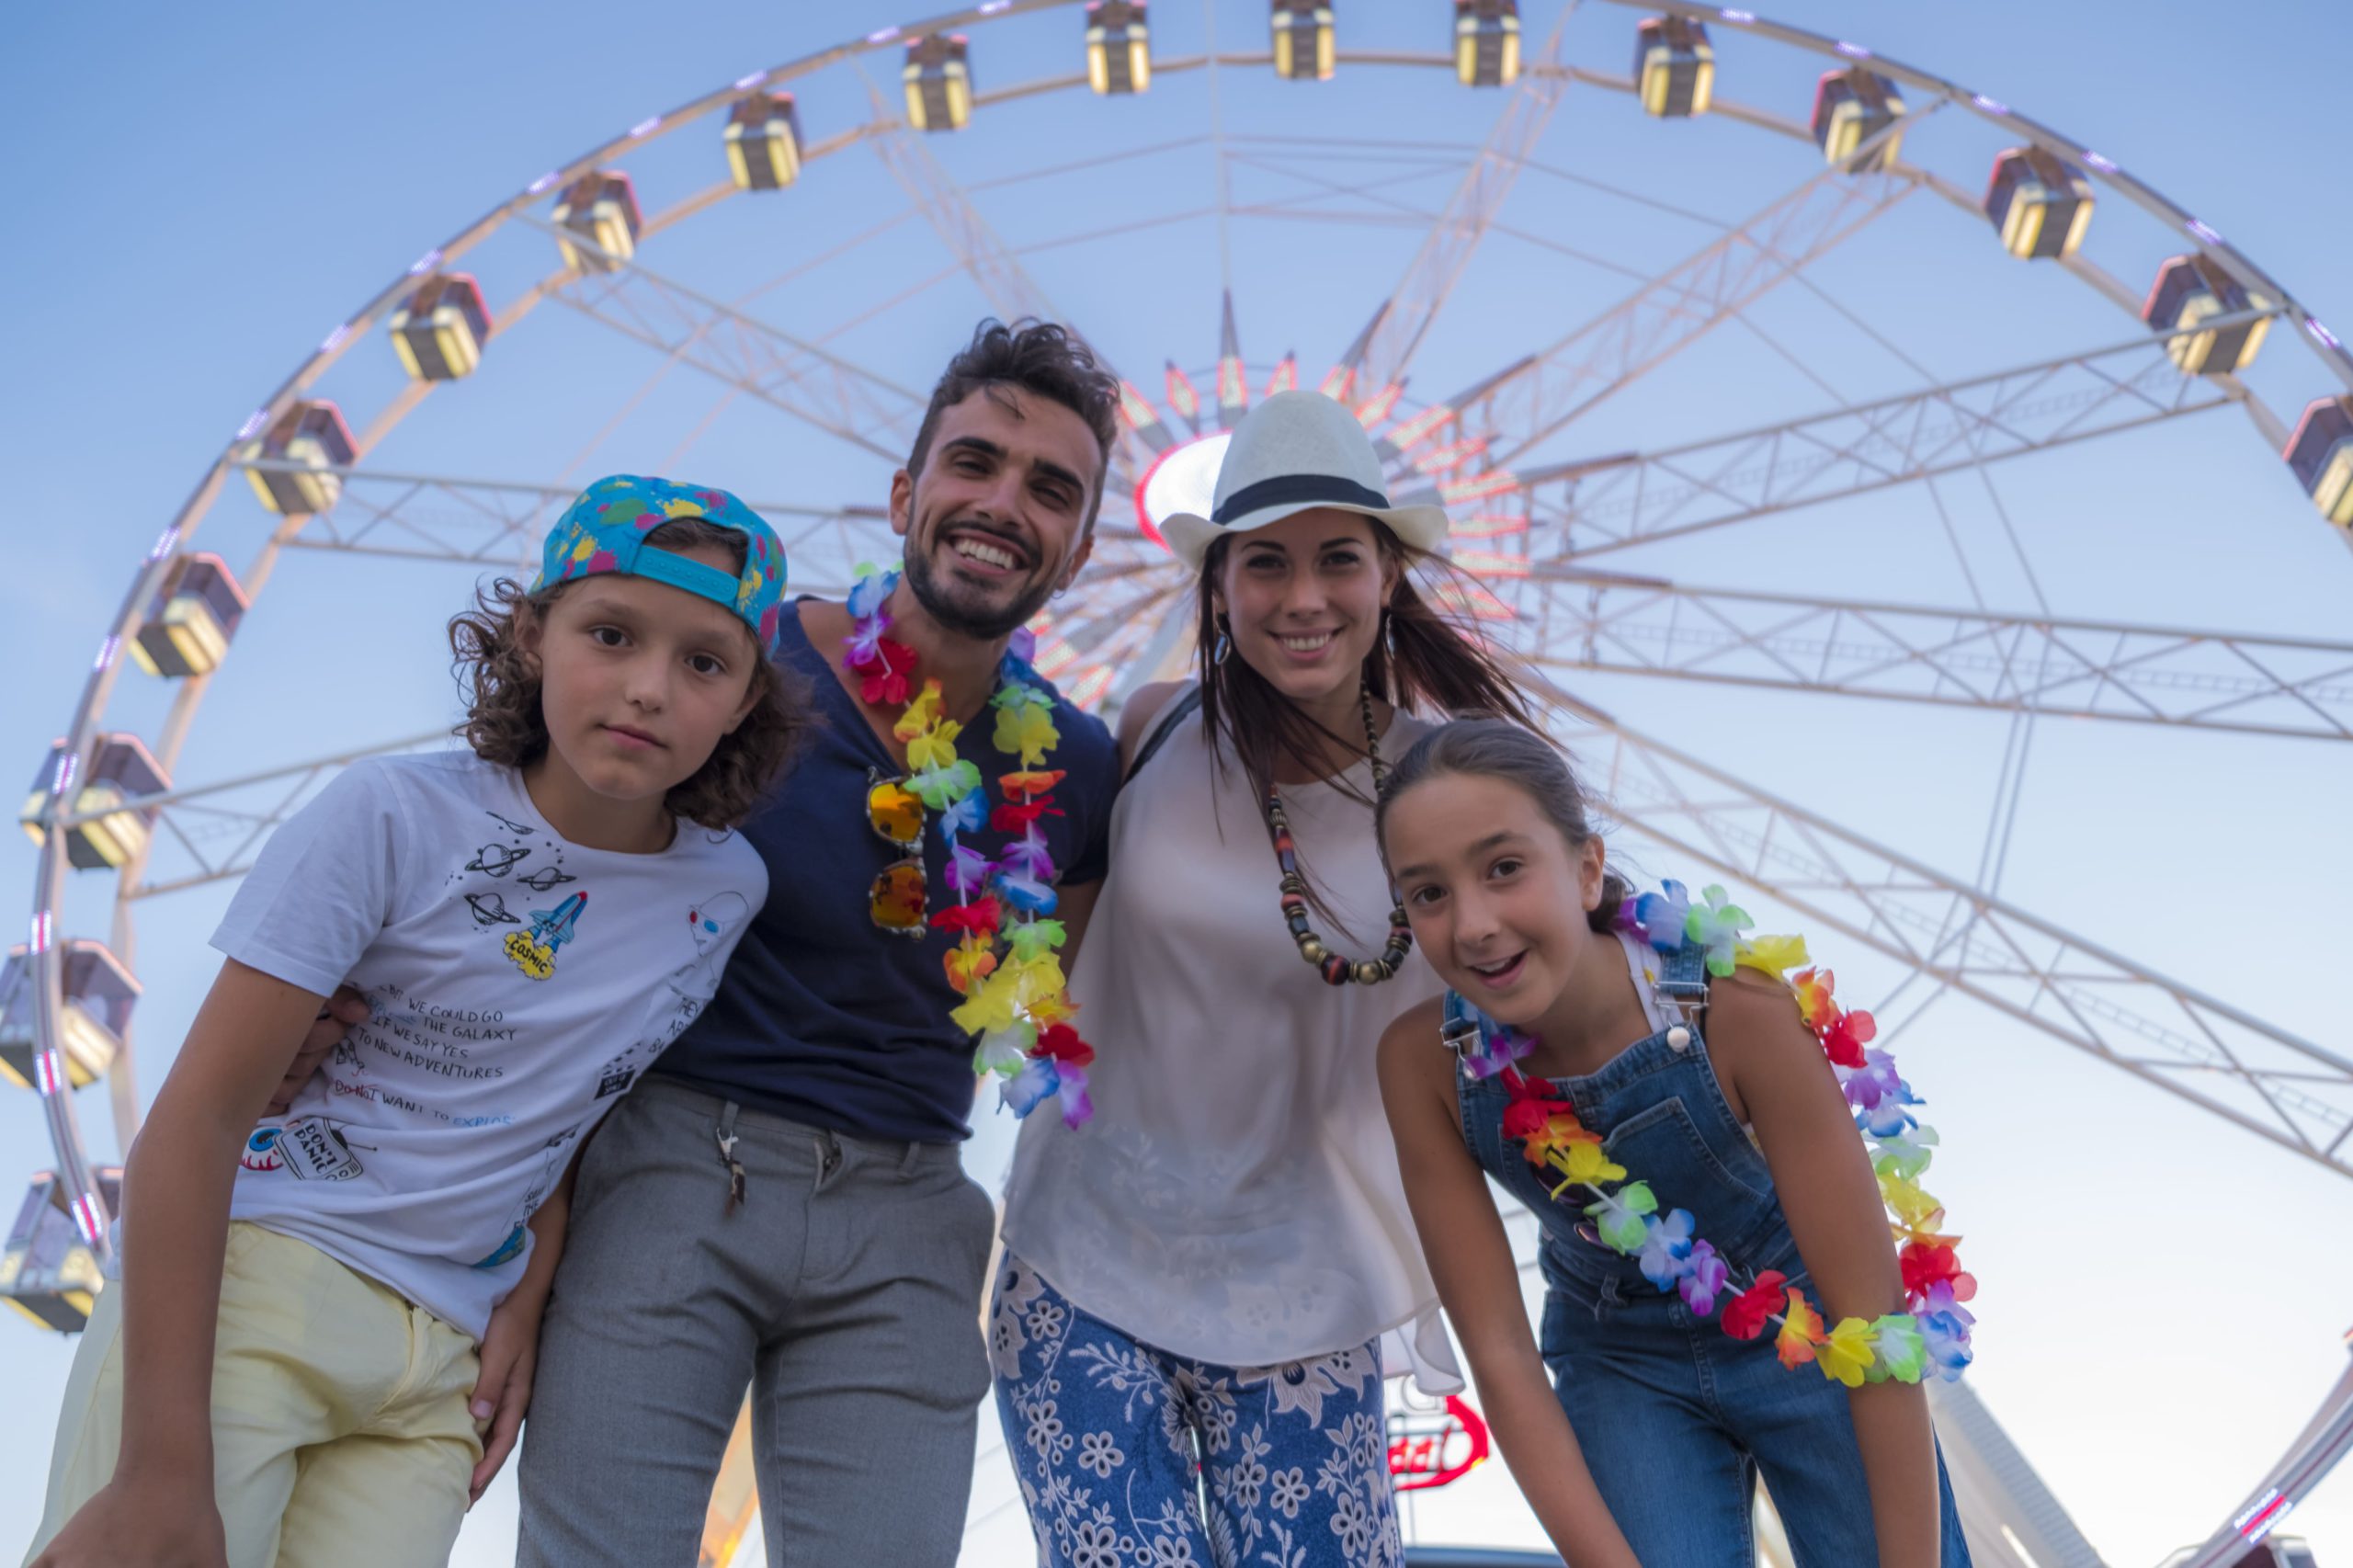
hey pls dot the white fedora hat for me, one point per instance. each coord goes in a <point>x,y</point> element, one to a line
<point>1296,452</point>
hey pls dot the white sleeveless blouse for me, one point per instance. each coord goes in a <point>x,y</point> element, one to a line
<point>1236,1196</point>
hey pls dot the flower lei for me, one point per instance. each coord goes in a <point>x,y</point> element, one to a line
<point>1005,963</point>
<point>1933,1335</point>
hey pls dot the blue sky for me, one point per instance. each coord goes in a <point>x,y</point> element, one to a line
<point>197,196</point>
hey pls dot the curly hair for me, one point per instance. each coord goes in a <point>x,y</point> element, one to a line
<point>1035,357</point>
<point>500,682</point>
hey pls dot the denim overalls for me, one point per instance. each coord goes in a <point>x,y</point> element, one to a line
<point>1677,1418</point>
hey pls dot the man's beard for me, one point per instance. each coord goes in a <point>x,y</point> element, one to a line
<point>982,625</point>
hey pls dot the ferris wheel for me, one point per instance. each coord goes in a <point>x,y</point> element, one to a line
<point>1582,551</point>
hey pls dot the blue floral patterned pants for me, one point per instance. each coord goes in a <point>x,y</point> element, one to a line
<point>1117,1446</point>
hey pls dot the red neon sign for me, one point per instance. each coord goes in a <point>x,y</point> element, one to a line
<point>1435,1449</point>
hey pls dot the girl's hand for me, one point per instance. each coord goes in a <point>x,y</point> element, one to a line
<point>510,1353</point>
<point>143,1523</point>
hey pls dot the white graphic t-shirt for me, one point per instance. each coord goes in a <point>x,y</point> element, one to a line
<point>521,983</point>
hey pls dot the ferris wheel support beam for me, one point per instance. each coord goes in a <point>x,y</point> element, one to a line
<point>812,384</point>
<point>1526,402</point>
<point>1404,316</point>
<point>2325,1440</point>
<point>2174,676</point>
<point>1312,206</point>
<point>185,812</point>
<point>1011,293</point>
<point>1615,502</point>
<point>2275,1085</point>
<point>386,513</point>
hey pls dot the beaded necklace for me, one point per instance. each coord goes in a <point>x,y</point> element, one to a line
<point>1932,1336</point>
<point>1336,969</point>
<point>1005,963</point>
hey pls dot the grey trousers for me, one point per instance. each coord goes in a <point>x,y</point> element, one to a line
<point>845,1291</point>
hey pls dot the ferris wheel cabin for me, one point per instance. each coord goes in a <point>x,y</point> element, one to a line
<point>99,995</point>
<point>764,141</point>
<point>187,626</point>
<point>311,434</point>
<point>1850,107</point>
<point>1118,47</point>
<point>439,330</point>
<point>1302,41</point>
<point>2041,203</point>
<point>2192,289</point>
<point>1674,67</point>
<point>109,831</point>
<point>601,208</point>
<point>2321,456</point>
<point>939,77</point>
<point>1486,42</point>
<point>48,1270</point>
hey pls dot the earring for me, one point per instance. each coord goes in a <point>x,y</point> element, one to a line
<point>1224,648</point>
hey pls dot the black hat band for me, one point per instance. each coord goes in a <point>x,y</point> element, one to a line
<point>1285,489</point>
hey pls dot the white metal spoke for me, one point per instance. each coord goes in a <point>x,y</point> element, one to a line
<point>946,205</point>
<point>476,522</point>
<point>1405,313</point>
<point>2327,1438</point>
<point>1523,404</point>
<point>810,383</point>
<point>1011,293</point>
<point>1314,203</point>
<point>213,831</point>
<point>1965,658</point>
<point>2273,1084</point>
<point>1596,505</point>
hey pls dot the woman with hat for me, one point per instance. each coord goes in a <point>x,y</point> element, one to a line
<point>1203,1287</point>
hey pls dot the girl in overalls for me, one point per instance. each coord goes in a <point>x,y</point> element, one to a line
<point>1708,1169</point>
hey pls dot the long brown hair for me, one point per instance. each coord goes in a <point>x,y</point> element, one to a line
<point>1423,658</point>
<point>500,682</point>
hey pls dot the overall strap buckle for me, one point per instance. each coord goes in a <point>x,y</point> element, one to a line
<point>1682,983</point>
<point>1458,1031</point>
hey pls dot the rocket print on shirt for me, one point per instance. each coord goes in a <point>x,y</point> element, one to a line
<point>533,950</point>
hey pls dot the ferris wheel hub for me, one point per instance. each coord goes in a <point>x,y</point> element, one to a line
<point>1182,478</point>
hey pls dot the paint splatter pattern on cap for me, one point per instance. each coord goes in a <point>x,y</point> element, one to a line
<point>604,528</point>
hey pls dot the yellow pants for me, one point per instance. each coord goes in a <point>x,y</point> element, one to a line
<point>340,1428</point>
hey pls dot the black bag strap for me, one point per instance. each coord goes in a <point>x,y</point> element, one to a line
<point>1167,726</point>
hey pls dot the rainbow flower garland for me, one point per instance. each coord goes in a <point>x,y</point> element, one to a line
<point>1933,1336</point>
<point>1005,963</point>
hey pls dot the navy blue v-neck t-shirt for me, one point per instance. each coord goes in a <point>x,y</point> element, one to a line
<point>823,1017</point>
